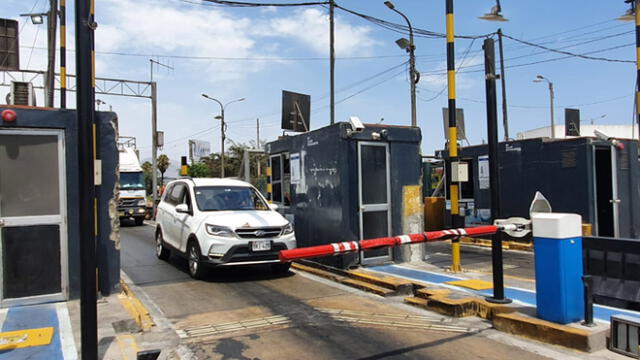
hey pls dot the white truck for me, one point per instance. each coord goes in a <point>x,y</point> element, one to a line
<point>133,202</point>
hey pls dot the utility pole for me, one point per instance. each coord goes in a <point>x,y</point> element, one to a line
<point>223,137</point>
<point>63,54</point>
<point>52,17</point>
<point>154,134</point>
<point>258,142</point>
<point>85,97</point>
<point>553,122</point>
<point>456,219</point>
<point>505,121</point>
<point>637,13</point>
<point>494,169</point>
<point>332,60</point>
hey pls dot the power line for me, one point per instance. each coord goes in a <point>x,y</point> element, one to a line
<point>253,4</point>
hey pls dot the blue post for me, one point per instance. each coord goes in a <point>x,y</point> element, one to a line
<point>557,241</point>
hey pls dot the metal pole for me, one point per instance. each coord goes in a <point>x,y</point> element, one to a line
<point>63,54</point>
<point>494,169</point>
<point>51,50</point>
<point>154,143</point>
<point>637,6</point>
<point>222,142</point>
<point>588,300</point>
<point>505,121</point>
<point>453,135</point>
<point>85,97</point>
<point>258,144</point>
<point>332,60</point>
<point>412,74</point>
<point>553,123</point>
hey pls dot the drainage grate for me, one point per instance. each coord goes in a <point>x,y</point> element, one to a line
<point>625,336</point>
<point>218,329</point>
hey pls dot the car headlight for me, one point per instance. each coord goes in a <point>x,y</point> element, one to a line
<point>288,229</point>
<point>142,202</point>
<point>219,230</point>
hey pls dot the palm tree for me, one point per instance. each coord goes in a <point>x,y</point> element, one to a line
<point>163,165</point>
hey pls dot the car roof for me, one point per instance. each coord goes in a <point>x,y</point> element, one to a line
<point>217,182</point>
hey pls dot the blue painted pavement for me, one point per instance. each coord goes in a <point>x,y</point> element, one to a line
<point>31,317</point>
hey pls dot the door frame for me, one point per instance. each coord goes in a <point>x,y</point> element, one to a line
<point>362,208</point>
<point>615,201</point>
<point>60,220</point>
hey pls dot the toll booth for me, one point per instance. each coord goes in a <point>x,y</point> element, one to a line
<point>584,175</point>
<point>345,183</point>
<point>39,197</point>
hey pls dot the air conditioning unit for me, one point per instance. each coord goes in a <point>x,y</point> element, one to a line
<point>22,93</point>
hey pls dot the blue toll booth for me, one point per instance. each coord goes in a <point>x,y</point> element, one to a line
<point>557,241</point>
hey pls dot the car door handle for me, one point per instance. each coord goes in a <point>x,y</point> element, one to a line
<point>615,201</point>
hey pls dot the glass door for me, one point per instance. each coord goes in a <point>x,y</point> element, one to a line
<point>374,198</point>
<point>33,236</point>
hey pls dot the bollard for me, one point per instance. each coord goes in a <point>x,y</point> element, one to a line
<point>588,301</point>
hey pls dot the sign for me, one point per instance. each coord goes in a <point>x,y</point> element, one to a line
<point>199,149</point>
<point>483,172</point>
<point>571,122</point>
<point>294,167</point>
<point>296,109</point>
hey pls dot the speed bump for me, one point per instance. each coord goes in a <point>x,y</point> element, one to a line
<point>473,284</point>
<point>25,338</point>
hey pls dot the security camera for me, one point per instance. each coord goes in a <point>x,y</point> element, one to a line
<point>613,141</point>
<point>356,124</point>
<point>601,135</point>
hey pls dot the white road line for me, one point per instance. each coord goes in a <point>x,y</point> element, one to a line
<point>67,344</point>
<point>3,316</point>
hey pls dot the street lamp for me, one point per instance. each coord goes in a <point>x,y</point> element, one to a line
<point>631,15</point>
<point>409,46</point>
<point>541,78</point>
<point>592,120</point>
<point>37,19</point>
<point>495,15</point>
<point>222,127</point>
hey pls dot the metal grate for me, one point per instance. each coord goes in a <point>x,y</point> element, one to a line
<point>9,45</point>
<point>22,93</point>
<point>259,233</point>
<point>625,335</point>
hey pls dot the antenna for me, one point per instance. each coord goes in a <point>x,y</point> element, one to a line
<point>151,61</point>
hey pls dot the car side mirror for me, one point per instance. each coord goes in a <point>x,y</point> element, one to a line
<point>183,209</point>
<point>273,207</point>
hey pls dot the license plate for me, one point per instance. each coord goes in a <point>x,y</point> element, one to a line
<point>261,245</point>
<point>120,213</point>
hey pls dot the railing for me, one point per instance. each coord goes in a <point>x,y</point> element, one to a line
<point>614,264</point>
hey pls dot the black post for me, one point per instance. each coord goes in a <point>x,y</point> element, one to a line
<point>85,97</point>
<point>588,300</point>
<point>332,62</point>
<point>494,181</point>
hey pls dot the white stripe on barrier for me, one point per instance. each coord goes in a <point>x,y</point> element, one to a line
<point>347,246</point>
<point>404,239</point>
<point>356,246</point>
<point>336,248</point>
<point>463,232</point>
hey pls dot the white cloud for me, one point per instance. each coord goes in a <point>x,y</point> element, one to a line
<point>311,28</point>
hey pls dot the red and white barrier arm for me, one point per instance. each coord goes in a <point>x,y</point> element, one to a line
<point>353,246</point>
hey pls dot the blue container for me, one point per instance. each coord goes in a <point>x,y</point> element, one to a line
<point>558,262</point>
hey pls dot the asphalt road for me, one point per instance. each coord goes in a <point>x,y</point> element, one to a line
<point>250,313</point>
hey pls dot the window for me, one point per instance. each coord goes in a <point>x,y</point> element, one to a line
<point>281,179</point>
<point>175,197</point>
<point>219,198</point>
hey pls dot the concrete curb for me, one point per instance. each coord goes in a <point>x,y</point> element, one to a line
<point>135,308</point>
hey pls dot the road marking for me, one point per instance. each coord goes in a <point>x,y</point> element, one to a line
<point>18,339</point>
<point>67,343</point>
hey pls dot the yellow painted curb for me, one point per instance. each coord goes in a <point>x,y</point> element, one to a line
<point>135,308</point>
<point>19,339</point>
<point>474,284</point>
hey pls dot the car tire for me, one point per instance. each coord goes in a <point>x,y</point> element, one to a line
<point>194,259</point>
<point>139,221</point>
<point>161,251</point>
<point>281,268</point>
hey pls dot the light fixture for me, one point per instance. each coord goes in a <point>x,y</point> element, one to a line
<point>403,43</point>
<point>389,5</point>
<point>629,15</point>
<point>539,78</point>
<point>494,14</point>
<point>37,19</point>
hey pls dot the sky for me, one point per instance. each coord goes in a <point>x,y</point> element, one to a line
<point>254,53</point>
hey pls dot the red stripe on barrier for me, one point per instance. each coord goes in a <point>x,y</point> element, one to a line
<point>370,244</point>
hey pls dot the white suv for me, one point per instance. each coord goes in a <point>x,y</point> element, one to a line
<point>217,222</point>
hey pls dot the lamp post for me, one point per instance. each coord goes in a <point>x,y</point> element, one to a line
<point>541,78</point>
<point>37,19</point>
<point>495,15</point>
<point>222,127</point>
<point>410,47</point>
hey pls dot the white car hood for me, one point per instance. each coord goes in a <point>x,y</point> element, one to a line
<point>245,218</point>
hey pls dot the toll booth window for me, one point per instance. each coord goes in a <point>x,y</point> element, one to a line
<point>281,179</point>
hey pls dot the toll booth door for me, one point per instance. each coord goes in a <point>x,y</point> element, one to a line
<point>606,192</point>
<point>33,234</point>
<point>374,198</point>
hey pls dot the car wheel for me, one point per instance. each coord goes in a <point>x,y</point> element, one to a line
<point>196,268</point>
<point>161,251</point>
<point>139,221</point>
<point>281,268</point>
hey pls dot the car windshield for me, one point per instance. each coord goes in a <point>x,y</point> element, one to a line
<point>218,198</point>
<point>132,180</point>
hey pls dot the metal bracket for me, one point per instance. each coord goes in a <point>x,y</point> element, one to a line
<point>517,227</point>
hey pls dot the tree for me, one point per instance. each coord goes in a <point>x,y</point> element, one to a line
<point>148,172</point>
<point>199,170</point>
<point>163,165</point>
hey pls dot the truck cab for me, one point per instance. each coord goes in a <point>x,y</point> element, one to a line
<point>132,202</point>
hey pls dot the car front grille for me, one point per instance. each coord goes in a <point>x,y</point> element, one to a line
<point>259,233</point>
<point>128,202</point>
